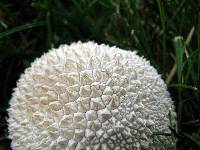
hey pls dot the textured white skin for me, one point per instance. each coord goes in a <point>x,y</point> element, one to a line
<point>89,96</point>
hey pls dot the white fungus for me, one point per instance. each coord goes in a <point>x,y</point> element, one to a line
<point>89,96</point>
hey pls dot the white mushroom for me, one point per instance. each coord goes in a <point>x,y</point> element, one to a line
<point>89,96</point>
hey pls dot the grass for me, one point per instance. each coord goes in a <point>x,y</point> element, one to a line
<point>179,48</point>
<point>20,28</point>
<point>166,32</point>
<point>163,25</point>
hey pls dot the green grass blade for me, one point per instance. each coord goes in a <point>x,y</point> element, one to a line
<point>173,138</point>
<point>163,32</point>
<point>21,28</point>
<point>49,30</point>
<point>198,44</point>
<point>48,23</point>
<point>184,86</point>
<point>179,49</point>
<point>194,137</point>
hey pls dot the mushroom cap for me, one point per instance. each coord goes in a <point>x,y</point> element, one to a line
<point>89,96</point>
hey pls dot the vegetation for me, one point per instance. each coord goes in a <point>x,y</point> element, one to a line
<point>167,32</point>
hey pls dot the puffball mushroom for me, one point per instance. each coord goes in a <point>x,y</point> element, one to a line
<point>89,96</point>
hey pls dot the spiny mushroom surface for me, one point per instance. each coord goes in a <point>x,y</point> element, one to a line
<point>89,96</point>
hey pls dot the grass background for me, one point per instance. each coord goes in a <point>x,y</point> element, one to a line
<point>167,32</point>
